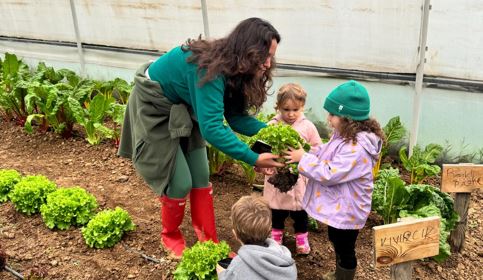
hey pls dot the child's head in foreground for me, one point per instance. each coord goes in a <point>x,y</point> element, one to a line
<point>252,219</point>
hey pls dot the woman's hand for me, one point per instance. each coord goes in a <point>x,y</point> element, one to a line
<point>219,269</point>
<point>294,155</point>
<point>265,171</point>
<point>268,160</point>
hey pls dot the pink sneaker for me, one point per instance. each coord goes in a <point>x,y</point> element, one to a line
<point>302,242</point>
<point>277,235</point>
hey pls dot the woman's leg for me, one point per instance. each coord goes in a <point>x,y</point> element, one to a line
<point>173,205</point>
<point>201,197</point>
<point>180,184</point>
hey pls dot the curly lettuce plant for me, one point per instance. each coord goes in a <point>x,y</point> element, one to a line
<point>107,228</point>
<point>30,193</point>
<point>281,137</point>
<point>68,206</point>
<point>8,179</point>
<point>199,261</point>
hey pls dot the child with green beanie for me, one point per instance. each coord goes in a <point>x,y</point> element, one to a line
<point>340,178</point>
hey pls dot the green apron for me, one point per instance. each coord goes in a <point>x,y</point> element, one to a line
<point>153,129</point>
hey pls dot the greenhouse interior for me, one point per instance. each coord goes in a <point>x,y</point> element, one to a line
<point>74,206</point>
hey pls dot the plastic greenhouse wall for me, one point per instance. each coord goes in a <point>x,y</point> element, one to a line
<point>324,42</point>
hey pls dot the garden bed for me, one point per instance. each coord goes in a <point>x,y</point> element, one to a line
<point>64,255</point>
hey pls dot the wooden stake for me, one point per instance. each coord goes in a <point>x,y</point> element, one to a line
<point>402,271</point>
<point>461,206</point>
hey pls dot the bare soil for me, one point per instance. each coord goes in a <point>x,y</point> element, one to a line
<point>29,244</point>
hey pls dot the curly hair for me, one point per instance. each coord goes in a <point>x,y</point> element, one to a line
<point>349,128</point>
<point>238,57</point>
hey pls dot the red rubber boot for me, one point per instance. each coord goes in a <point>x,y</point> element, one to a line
<point>203,214</point>
<point>172,213</point>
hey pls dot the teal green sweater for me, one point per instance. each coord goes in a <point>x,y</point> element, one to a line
<point>180,83</point>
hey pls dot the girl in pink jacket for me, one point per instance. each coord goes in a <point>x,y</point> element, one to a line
<point>290,107</point>
<point>340,179</point>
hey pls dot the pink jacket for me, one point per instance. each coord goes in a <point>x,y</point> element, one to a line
<point>292,200</point>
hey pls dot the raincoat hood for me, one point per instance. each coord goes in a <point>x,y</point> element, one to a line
<point>370,142</point>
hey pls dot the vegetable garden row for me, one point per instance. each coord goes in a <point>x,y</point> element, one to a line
<point>43,99</point>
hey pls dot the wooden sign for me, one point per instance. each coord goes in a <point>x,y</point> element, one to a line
<point>406,241</point>
<point>461,177</point>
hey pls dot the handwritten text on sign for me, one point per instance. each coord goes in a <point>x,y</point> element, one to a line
<point>461,178</point>
<point>406,241</point>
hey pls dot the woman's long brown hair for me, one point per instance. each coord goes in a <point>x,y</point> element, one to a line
<point>238,58</point>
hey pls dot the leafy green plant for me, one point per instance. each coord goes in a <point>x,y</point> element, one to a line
<point>68,206</point>
<point>117,115</point>
<point>199,261</point>
<point>13,88</point>
<point>448,155</point>
<point>92,118</point>
<point>8,179</point>
<point>250,173</point>
<point>419,163</point>
<point>30,193</point>
<point>107,228</point>
<point>392,200</point>
<point>313,225</point>
<point>389,195</point>
<point>280,137</point>
<point>426,201</point>
<point>394,132</point>
<point>217,160</point>
<point>54,104</point>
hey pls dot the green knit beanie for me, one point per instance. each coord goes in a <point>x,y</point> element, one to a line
<point>350,100</point>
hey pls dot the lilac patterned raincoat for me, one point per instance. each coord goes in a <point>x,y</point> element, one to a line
<point>340,180</point>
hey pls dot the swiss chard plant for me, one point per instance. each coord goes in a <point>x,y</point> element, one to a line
<point>92,118</point>
<point>68,206</point>
<point>394,132</point>
<point>217,160</point>
<point>54,104</point>
<point>8,179</point>
<point>390,195</point>
<point>392,199</point>
<point>107,228</point>
<point>420,163</point>
<point>199,261</point>
<point>13,88</point>
<point>30,193</point>
<point>117,115</point>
